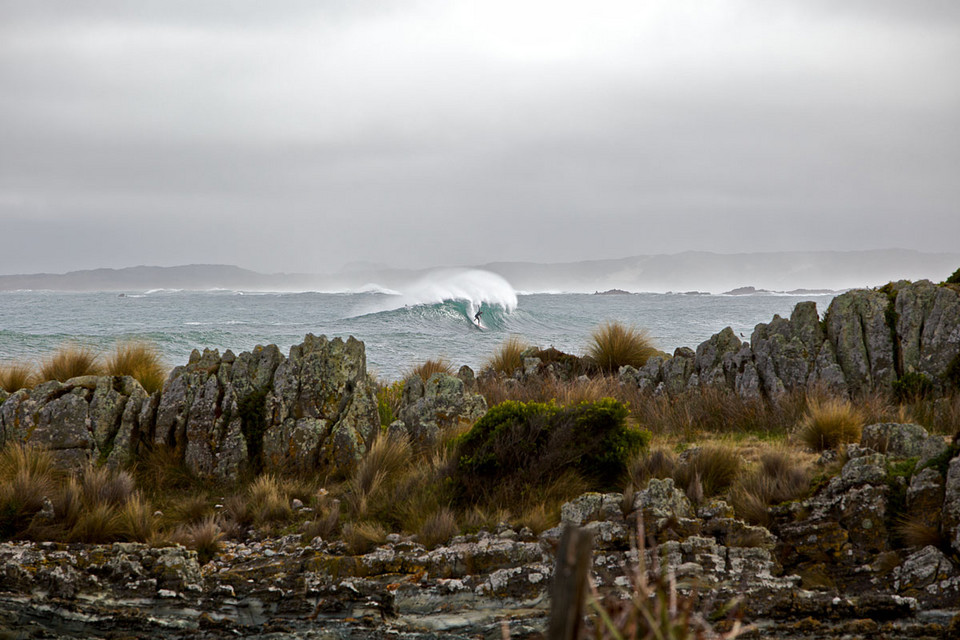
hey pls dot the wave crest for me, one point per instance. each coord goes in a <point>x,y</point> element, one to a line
<point>475,287</point>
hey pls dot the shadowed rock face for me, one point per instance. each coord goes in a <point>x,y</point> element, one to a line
<point>867,340</point>
<point>225,414</point>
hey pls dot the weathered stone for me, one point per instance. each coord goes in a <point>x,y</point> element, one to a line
<point>950,523</point>
<point>440,404</point>
<point>925,498</point>
<point>858,330</point>
<point>895,440</point>
<point>928,327</point>
<point>714,364</point>
<point>591,507</point>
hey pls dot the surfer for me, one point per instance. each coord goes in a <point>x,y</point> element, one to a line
<point>477,317</point>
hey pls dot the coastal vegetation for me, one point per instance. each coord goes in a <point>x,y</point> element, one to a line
<point>614,345</point>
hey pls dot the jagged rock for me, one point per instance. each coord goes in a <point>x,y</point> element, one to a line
<point>468,378</point>
<point>865,469</point>
<point>786,350</point>
<point>675,372</point>
<point>442,403</point>
<point>925,498</point>
<point>929,574</point>
<point>897,440</point>
<point>591,507</point>
<point>950,523</point>
<point>78,420</point>
<point>928,327</point>
<point>858,330</point>
<point>714,364</point>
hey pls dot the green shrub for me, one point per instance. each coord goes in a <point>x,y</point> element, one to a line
<point>912,386</point>
<point>954,279</point>
<point>388,401</point>
<point>529,444</point>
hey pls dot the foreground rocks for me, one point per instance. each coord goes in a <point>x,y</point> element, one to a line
<point>827,566</point>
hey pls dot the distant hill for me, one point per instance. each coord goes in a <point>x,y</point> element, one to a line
<point>701,271</point>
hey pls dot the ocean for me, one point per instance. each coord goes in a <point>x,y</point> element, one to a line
<point>431,319</point>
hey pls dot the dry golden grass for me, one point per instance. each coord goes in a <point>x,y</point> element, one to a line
<point>708,470</point>
<point>363,537</point>
<point>268,503</point>
<point>138,359</point>
<point>137,520</point>
<point>438,528</point>
<point>97,524</point>
<point>101,485</point>
<point>70,361</point>
<point>658,462</point>
<point>203,537</point>
<point>15,376</point>
<point>915,532</point>
<point>781,475</point>
<point>508,356</point>
<point>430,367</point>
<point>830,422</point>
<point>190,509</point>
<point>613,345</point>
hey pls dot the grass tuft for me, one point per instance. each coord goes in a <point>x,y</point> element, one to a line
<point>203,537</point>
<point>140,360</point>
<point>70,361</point>
<point>15,376</point>
<point>438,528</point>
<point>829,423</point>
<point>708,470</point>
<point>508,357</point>
<point>613,345</point>
<point>363,537</point>
<point>780,477</point>
<point>430,367</point>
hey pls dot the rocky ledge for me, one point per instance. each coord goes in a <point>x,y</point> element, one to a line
<point>827,566</point>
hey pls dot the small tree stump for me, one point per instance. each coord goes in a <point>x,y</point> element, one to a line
<point>569,583</point>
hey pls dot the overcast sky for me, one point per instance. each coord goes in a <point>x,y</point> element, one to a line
<point>302,136</point>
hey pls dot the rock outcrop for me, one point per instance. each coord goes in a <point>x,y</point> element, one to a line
<point>441,403</point>
<point>223,414</point>
<point>867,341</point>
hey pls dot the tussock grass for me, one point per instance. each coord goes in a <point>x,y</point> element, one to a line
<point>781,476</point>
<point>137,520</point>
<point>708,470</point>
<point>268,502</point>
<point>27,477</point>
<point>429,367</point>
<point>658,462</point>
<point>70,361</point>
<point>97,524</point>
<point>438,528</point>
<point>363,537</point>
<point>613,345</point>
<point>830,422</point>
<point>508,356</point>
<point>101,485</point>
<point>550,390</point>
<point>15,376</point>
<point>140,360</point>
<point>203,537</point>
<point>190,509</point>
<point>916,532</point>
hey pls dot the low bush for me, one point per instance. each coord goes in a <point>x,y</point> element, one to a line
<point>614,345</point>
<point>829,423</point>
<point>388,401</point>
<point>912,386</point>
<point>529,444</point>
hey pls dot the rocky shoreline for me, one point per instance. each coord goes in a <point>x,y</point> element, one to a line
<point>826,567</point>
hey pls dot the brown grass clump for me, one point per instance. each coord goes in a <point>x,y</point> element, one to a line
<point>438,528</point>
<point>779,478</point>
<point>916,532</point>
<point>137,520</point>
<point>15,376</point>
<point>829,423</point>
<point>376,473</point>
<point>508,357</point>
<point>707,470</point>
<point>654,463</point>
<point>362,537</point>
<point>190,509</point>
<point>268,502</point>
<point>70,361</point>
<point>141,360</point>
<point>203,537</point>
<point>97,524</point>
<point>614,345</point>
<point>430,367</point>
<point>27,477</point>
<point>101,485</point>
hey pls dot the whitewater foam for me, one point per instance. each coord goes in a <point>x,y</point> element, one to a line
<point>473,286</point>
